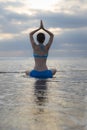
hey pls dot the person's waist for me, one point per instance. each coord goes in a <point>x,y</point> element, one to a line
<point>40,67</point>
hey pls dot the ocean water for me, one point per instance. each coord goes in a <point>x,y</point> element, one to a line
<point>59,103</point>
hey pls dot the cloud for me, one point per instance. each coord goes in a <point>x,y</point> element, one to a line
<point>12,22</point>
<point>78,36</point>
<point>63,20</point>
<point>67,20</point>
<point>18,43</point>
<point>71,6</point>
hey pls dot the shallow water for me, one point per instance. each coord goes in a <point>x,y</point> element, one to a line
<point>59,103</point>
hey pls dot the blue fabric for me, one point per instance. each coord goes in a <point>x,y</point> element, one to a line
<point>42,48</point>
<point>41,74</point>
<point>39,56</point>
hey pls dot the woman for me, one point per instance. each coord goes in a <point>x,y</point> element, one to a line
<point>40,53</point>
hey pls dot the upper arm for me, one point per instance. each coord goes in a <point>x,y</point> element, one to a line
<point>32,40</point>
<point>50,41</point>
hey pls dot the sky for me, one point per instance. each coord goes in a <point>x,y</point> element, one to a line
<point>67,19</point>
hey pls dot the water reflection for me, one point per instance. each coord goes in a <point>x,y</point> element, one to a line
<point>40,91</point>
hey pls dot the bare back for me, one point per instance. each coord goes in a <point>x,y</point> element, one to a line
<point>40,57</point>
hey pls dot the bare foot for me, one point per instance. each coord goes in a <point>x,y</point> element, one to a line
<point>27,72</point>
<point>53,71</point>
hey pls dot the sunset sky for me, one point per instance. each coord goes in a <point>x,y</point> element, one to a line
<point>67,19</point>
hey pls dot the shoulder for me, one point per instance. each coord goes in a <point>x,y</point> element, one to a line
<point>36,47</point>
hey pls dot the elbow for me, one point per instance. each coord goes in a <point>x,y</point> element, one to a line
<point>52,34</point>
<point>30,33</point>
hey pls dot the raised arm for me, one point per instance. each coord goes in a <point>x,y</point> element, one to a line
<point>50,34</point>
<point>31,37</point>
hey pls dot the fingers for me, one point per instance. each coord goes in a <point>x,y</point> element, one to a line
<point>41,24</point>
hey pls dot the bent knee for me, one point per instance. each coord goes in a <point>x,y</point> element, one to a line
<point>53,71</point>
<point>27,72</point>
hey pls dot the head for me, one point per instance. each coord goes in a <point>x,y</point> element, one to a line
<point>40,37</point>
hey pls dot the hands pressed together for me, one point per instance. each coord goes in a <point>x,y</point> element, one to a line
<point>41,25</point>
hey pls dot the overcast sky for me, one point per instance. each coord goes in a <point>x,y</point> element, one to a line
<point>67,19</point>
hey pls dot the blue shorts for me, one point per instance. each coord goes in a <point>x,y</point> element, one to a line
<point>41,74</point>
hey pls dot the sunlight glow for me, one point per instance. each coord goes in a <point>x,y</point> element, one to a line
<point>6,36</point>
<point>20,10</point>
<point>45,4</point>
<point>31,7</point>
<point>56,31</point>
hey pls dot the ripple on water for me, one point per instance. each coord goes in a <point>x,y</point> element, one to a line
<point>59,103</point>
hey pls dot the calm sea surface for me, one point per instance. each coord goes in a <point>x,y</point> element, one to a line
<point>59,103</point>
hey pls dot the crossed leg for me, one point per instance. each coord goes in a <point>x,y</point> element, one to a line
<point>27,72</point>
<point>53,71</point>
